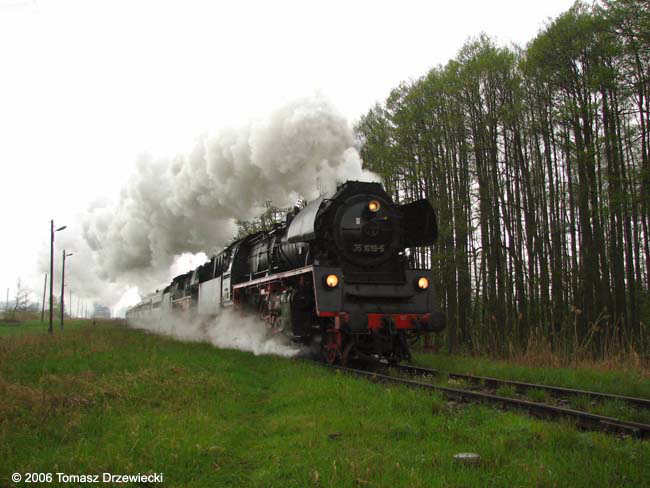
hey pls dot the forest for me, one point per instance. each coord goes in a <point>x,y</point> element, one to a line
<point>536,160</point>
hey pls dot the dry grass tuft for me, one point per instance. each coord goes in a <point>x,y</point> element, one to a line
<point>540,352</point>
<point>53,394</point>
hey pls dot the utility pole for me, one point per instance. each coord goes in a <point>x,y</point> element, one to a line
<point>50,330</point>
<point>70,295</point>
<point>63,285</point>
<point>52,231</point>
<point>7,302</point>
<point>44,288</point>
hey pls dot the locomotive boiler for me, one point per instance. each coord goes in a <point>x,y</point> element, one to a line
<point>334,276</point>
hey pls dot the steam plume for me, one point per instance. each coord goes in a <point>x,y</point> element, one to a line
<point>173,208</point>
<point>228,330</point>
<point>189,203</point>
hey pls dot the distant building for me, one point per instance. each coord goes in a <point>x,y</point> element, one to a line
<point>102,312</point>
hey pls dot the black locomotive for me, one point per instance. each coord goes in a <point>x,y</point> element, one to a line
<point>334,276</point>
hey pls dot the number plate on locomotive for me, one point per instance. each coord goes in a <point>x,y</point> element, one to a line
<point>372,248</point>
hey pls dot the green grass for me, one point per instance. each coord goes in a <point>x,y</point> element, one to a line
<point>35,327</point>
<point>537,396</point>
<point>630,383</point>
<point>506,391</point>
<point>627,383</point>
<point>622,410</point>
<point>581,402</point>
<point>109,399</point>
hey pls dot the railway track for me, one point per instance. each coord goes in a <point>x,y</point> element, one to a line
<point>522,387</point>
<point>584,420</point>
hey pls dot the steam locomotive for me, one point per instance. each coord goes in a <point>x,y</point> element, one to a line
<point>334,276</point>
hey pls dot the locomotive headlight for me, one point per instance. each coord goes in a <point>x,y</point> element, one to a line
<point>373,206</point>
<point>331,280</point>
<point>423,283</point>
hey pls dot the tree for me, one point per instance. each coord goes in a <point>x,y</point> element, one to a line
<point>20,301</point>
<point>536,161</point>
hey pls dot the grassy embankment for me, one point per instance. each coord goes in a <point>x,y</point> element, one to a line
<point>108,399</point>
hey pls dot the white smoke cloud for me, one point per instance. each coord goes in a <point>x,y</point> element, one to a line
<point>229,330</point>
<point>173,210</point>
<point>82,274</point>
<point>88,280</point>
<point>190,203</point>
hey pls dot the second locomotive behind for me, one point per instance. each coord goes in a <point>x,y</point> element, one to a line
<point>334,276</point>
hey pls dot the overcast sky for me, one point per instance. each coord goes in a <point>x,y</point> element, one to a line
<point>88,86</point>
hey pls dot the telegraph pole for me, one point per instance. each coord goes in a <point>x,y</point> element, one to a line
<point>44,288</point>
<point>51,272</point>
<point>52,231</point>
<point>63,285</point>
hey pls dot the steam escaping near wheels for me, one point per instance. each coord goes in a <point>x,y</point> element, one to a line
<point>228,330</point>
